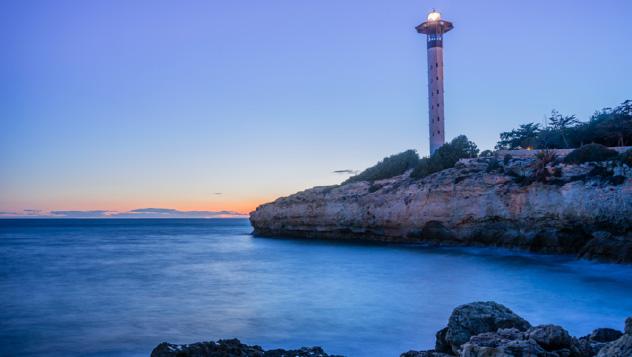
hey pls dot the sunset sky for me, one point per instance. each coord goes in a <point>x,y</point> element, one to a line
<point>218,106</point>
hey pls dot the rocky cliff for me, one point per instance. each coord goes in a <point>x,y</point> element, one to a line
<point>518,203</point>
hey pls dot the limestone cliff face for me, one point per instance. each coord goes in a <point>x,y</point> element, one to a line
<point>584,210</point>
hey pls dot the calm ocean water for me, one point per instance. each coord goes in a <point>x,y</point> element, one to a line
<point>119,287</point>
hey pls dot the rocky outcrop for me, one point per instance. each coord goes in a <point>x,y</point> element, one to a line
<point>231,348</point>
<point>475,318</point>
<point>478,329</point>
<point>571,209</point>
<point>493,330</point>
<point>620,347</point>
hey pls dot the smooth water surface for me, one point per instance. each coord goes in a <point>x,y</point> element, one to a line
<point>119,287</point>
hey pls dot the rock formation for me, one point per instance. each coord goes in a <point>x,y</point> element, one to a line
<point>478,329</point>
<point>493,330</point>
<point>231,348</point>
<point>571,209</point>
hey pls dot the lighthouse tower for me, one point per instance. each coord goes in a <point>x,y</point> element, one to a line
<point>434,28</point>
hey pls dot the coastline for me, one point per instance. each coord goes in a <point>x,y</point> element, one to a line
<point>583,210</point>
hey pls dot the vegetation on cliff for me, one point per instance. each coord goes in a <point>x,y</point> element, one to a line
<point>391,166</point>
<point>588,153</point>
<point>444,158</point>
<point>609,127</point>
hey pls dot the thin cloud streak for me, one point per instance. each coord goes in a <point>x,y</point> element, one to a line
<point>345,172</point>
<point>135,213</point>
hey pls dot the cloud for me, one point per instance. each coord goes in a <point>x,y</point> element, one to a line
<point>135,213</point>
<point>173,213</point>
<point>345,172</point>
<point>218,193</point>
<point>80,214</point>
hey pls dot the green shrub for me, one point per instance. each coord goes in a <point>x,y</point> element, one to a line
<point>542,159</point>
<point>609,126</point>
<point>389,167</point>
<point>506,159</point>
<point>626,157</point>
<point>486,153</point>
<point>588,153</point>
<point>445,157</point>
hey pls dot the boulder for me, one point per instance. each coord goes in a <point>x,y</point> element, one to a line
<point>505,343</point>
<point>430,353</point>
<point>550,337</point>
<point>232,348</point>
<point>441,345</point>
<point>221,348</point>
<point>605,335</point>
<point>479,317</point>
<point>619,348</point>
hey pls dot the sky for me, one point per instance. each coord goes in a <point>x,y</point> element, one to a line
<point>209,108</point>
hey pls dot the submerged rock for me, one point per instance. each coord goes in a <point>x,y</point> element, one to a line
<point>576,212</point>
<point>231,348</point>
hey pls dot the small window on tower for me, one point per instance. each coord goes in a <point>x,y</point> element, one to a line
<point>437,105</point>
<point>437,91</point>
<point>438,118</point>
<point>437,77</point>
<point>438,132</point>
<point>437,64</point>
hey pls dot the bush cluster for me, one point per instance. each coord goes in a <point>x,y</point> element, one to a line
<point>391,166</point>
<point>609,126</point>
<point>590,152</point>
<point>445,157</point>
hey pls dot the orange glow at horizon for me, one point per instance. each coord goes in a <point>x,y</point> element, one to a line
<point>242,206</point>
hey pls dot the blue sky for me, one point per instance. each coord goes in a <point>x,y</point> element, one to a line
<point>221,105</point>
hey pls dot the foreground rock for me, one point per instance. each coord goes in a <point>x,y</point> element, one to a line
<point>231,348</point>
<point>583,209</point>
<point>488,329</point>
<point>478,329</point>
<point>475,318</point>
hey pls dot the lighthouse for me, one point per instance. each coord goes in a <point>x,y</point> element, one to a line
<point>434,28</point>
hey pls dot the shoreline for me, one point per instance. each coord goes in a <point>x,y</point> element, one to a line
<point>583,211</point>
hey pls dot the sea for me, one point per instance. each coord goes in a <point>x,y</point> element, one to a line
<point>119,287</point>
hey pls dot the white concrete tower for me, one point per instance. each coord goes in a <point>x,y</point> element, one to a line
<point>434,28</point>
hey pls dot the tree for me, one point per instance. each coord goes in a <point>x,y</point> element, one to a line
<point>561,123</point>
<point>525,136</point>
<point>609,127</point>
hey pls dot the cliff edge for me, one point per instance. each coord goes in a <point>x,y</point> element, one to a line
<point>581,209</point>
